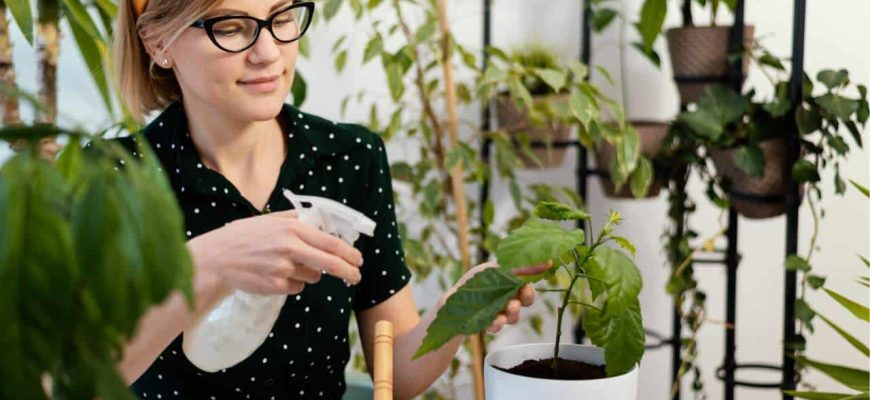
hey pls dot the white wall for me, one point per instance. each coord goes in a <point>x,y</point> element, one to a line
<point>835,37</point>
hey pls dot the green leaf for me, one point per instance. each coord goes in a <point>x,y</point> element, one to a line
<point>81,17</point>
<point>851,377</point>
<point>847,336</point>
<point>833,79</point>
<point>471,309</point>
<point>771,61</point>
<point>23,15</point>
<point>805,171</point>
<point>861,188</point>
<point>559,212</point>
<point>815,281</point>
<point>804,313</point>
<point>582,108</point>
<point>839,106</point>
<point>536,242</point>
<point>299,89</point>
<point>602,19</point>
<point>425,32</point>
<point>750,159</point>
<point>340,61</point>
<point>652,18</point>
<point>618,326</point>
<point>807,121</point>
<point>93,52</point>
<point>330,9</point>
<point>625,244</point>
<point>553,78</point>
<point>818,395</point>
<point>797,263</point>
<point>373,48</point>
<point>641,178</point>
<point>394,80</point>
<point>628,150</point>
<point>856,309</point>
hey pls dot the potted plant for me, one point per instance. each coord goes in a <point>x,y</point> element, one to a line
<point>613,319</point>
<point>651,133</point>
<point>746,137</point>
<point>79,240</point>
<point>533,105</point>
<point>699,54</point>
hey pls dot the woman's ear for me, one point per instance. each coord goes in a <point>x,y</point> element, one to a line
<point>155,50</point>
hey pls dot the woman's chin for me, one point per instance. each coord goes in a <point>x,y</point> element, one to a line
<point>260,108</point>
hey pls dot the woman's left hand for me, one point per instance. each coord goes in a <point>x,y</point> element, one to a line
<point>524,298</point>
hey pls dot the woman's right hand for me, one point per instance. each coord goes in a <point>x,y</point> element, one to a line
<point>273,253</point>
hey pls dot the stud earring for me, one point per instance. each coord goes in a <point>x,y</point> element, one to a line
<point>165,62</point>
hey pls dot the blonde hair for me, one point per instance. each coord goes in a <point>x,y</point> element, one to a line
<point>143,87</point>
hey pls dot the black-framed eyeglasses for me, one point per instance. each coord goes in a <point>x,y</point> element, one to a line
<point>237,33</point>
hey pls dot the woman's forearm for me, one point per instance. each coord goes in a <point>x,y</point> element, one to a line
<point>164,322</point>
<point>413,377</point>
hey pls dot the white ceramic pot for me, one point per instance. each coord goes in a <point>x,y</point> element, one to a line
<point>502,385</point>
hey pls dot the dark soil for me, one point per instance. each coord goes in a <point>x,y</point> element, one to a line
<point>568,370</point>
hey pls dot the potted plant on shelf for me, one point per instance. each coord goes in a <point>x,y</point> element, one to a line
<point>699,54</point>
<point>650,132</point>
<point>613,318</point>
<point>746,138</point>
<point>534,106</point>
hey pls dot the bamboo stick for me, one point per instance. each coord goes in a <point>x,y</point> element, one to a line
<point>458,184</point>
<point>49,54</point>
<point>383,368</point>
<point>8,104</point>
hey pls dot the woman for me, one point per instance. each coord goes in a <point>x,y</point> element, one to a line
<point>220,71</point>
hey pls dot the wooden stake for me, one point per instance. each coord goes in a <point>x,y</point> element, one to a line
<point>458,184</point>
<point>383,368</point>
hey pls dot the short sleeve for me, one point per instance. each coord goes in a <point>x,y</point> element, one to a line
<point>384,271</point>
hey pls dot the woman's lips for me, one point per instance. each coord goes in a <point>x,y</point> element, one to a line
<point>263,84</point>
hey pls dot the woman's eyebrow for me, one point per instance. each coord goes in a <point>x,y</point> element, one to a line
<point>219,12</point>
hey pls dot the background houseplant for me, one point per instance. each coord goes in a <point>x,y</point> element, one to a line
<point>855,379</point>
<point>613,321</point>
<point>83,254</point>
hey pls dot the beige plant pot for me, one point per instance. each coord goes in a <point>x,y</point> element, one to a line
<point>701,53</point>
<point>515,120</point>
<point>772,183</point>
<point>651,136</point>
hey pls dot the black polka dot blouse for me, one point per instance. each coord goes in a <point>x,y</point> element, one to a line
<point>306,353</point>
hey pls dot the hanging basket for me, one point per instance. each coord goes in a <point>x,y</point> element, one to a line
<point>699,56</point>
<point>756,197</point>
<point>651,136</point>
<point>515,120</point>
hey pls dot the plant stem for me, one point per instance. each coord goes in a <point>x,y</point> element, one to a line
<point>579,263</point>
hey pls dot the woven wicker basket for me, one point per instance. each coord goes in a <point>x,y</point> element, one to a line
<point>773,183</point>
<point>701,54</point>
<point>516,120</point>
<point>651,136</point>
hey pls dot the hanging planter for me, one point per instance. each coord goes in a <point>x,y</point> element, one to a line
<point>699,57</point>
<point>756,197</point>
<point>517,121</point>
<point>506,370</point>
<point>651,136</point>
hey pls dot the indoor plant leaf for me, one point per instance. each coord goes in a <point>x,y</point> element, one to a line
<point>559,212</point>
<point>856,309</point>
<point>851,377</point>
<point>536,242</point>
<point>472,308</point>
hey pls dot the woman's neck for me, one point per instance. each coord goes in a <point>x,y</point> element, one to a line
<point>232,147</point>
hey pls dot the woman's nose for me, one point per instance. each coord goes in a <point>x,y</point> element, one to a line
<point>265,50</point>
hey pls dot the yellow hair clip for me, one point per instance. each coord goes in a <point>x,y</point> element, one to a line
<point>139,6</point>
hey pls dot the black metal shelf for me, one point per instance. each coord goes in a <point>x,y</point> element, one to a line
<point>731,258</point>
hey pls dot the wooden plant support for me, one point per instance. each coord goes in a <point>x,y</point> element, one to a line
<point>383,368</point>
<point>458,182</point>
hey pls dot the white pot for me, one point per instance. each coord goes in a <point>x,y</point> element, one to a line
<point>502,385</point>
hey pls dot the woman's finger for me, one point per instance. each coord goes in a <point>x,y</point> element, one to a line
<point>527,295</point>
<point>306,274</point>
<point>513,311</point>
<point>533,269</point>
<point>302,252</point>
<point>497,323</point>
<point>327,243</point>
